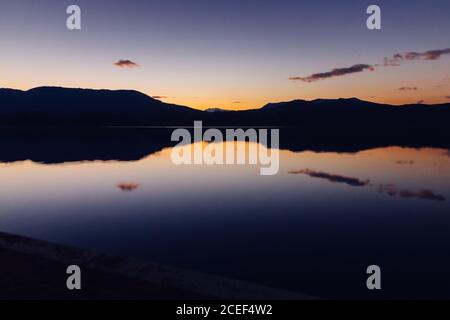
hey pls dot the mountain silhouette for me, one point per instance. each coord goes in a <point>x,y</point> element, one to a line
<point>55,125</point>
<point>322,121</point>
<point>57,106</point>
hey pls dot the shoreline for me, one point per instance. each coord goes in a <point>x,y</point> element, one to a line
<point>36,269</point>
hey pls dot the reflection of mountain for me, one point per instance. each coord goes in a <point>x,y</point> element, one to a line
<point>343,124</point>
<point>69,145</point>
<point>50,146</point>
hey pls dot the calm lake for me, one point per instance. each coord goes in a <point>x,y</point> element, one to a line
<point>312,228</point>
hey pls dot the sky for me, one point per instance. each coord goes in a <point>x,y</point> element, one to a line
<point>231,54</point>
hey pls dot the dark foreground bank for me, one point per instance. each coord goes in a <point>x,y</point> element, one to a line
<point>34,269</point>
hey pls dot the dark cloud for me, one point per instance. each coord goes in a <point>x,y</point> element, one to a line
<point>447,97</point>
<point>159,97</point>
<point>429,55</point>
<point>444,83</point>
<point>398,58</point>
<point>405,162</point>
<point>128,186</point>
<point>126,63</point>
<point>420,101</point>
<point>354,182</point>
<point>408,88</point>
<point>425,194</point>
<point>236,102</point>
<point>334,73</point>
<point>392,62</point>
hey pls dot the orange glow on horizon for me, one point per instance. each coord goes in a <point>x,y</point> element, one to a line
<point>431,97</point>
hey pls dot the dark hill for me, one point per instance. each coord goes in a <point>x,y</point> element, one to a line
<point>342,124</point>
<point>63,106</point>
<point>344,119</point>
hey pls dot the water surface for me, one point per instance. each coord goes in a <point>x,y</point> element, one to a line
<point>312,228</point>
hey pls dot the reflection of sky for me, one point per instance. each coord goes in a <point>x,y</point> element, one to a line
<point>214,53</point>
<point>91,187</point>
<point>229,220</point>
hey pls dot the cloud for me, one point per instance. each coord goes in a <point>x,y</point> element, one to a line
<point>408,88</point>
<point>159,97</point>
<point>354,182</point>
<point>447,97</point>
<point>425,194</point>
<point>393,61</point>
<point>338,72</point>
<point>126,63</point>
<point>236,102</point>
<point>444,83</point>
<point>429,55</point>
<point>405,162</point>
<point>420,101</point>
<point>398,58</point>
<point>128,186</point>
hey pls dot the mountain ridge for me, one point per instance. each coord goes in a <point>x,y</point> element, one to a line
<point>59,106</point>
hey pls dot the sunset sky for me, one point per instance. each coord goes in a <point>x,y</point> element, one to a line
<point>232,54</point>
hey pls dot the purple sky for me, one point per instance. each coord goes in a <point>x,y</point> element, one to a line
<point>231,54</point>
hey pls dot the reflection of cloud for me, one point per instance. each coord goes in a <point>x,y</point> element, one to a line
<point>425,194</point>
<point>408,89</point>
<point>126,63</point>
<point>389,189</point>
<point>334,73</point>
<point>128,186</point>
<point>354,182</point>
